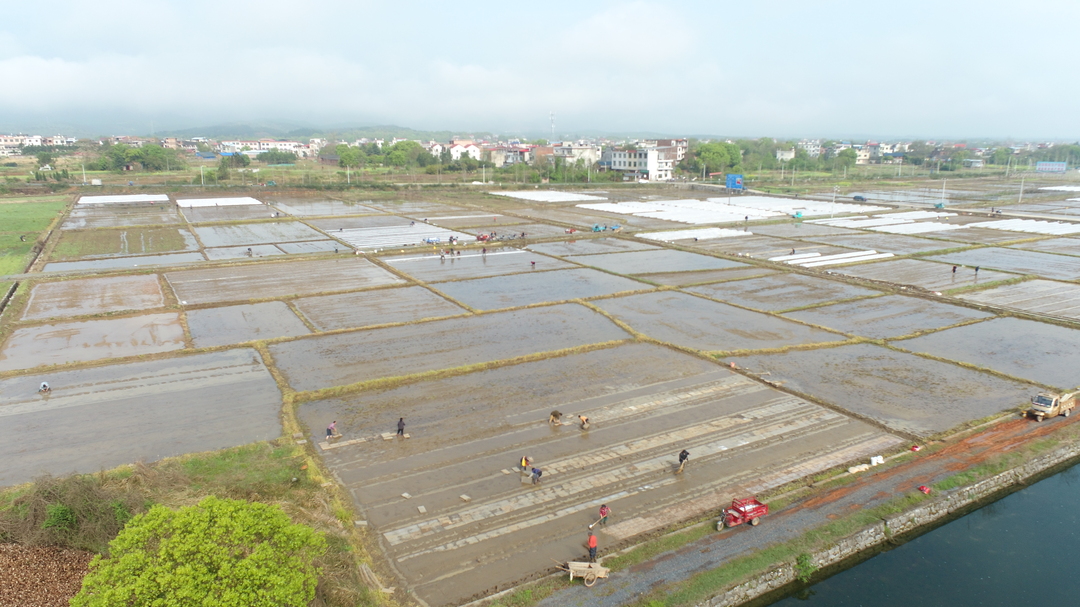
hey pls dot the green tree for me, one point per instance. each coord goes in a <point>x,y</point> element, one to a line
<point>350,157</point>
<point>846,158</point>
<point>226,553</point>
<point>45,158</point>
<point>223,169</point>
<point>277,157</point>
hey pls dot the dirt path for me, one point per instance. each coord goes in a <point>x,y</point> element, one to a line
<point>872,490</point>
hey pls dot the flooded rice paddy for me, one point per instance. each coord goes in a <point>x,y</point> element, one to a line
<point>1059,299</point>
<point>783,292</point>
<point>102,417</point>
<point>647,262</point>
<point>88,296</point>
<point>256,281</point>
<point>376,307</point>
<point>1063,246</point>
<point>113,263</point>
<point>1047,265</point>
<point>67,342</point>
<point>590,246</point>
<point>929,275</point>
<point>537,287</point>
<point>255,233</point>
<point>228,213</point>
<point>1031,350</point>
<point>889,316</point>
<point>236,324</point>
<point>701,324</point>
<point>902,391</point>
<point>299,207</point>
<point>705,276</point>
<point>334,360</point>
<point>429,267</point>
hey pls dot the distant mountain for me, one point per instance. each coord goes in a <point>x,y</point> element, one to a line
<point>295,131</point>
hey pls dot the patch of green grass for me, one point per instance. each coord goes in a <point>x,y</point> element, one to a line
<point>127,241</point>
<point>532,593</point>
<point>259,468</point>
<point>24,219</point>
<point>651,549</point>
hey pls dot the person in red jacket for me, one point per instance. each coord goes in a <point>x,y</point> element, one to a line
<point>592,548</point>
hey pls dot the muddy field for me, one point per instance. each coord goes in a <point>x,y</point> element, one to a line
<point>470,523</point>
<point>701,324</point>
<point>113,263</point>
<point>68,342</point>
<point>256,281</point>
<point>1022,348</point>
<point>783,292</point>
<point>929,275</point>
<point>429,267</point>
<point>1036,296</point>
<point>889,316</point>
<point>537,287</point>
<point>377,307</point>
<point>531,230</point>
<point>646,262</point>
<point>467,220</point>
<point>236,324</point>
<point>1047,265</point>
<point>99,418</point>
<point>334,360</point>
<point>902,391</point>
<point>981,235</point>
<point>93,296</point>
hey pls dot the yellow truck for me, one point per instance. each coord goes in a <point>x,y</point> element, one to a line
<point>1047,404</point>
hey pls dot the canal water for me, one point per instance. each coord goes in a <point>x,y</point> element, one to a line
<point>1020,550</point>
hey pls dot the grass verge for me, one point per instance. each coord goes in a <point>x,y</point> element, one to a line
<point>86,511</point>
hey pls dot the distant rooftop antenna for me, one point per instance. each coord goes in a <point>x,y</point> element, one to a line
<point>552,114</point>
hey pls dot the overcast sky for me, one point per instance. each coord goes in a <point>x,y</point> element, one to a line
<point>778,68</point>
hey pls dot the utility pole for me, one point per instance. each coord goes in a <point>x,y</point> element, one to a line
<point>84,173</point>
<point>1021,199</point>
<point>202,176</point>
<point>832,209</point>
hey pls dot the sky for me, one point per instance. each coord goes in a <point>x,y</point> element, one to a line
<point>941,69</point>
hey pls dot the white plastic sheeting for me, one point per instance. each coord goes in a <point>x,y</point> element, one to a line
<point>217,202</point>
<point>835,262</point>
<point>123,198</point>
<point>727,210</point>
<point>917,228</point>
<point>1030,226</point>
<point>1063,188</point>
<point>549,196</point>
<point>699,234</point>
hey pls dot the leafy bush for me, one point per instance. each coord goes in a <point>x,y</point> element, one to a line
<point>227,553</point>
<point>59,516</point>
<point>804,567</point>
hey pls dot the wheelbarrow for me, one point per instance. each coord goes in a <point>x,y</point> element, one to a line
<point>590,572</point>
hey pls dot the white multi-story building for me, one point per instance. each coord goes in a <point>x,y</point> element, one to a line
<point>573,153</point>
<point>785,155</point>
<point>681,146</point>
<point>464,148</point>
<point>812,147</point>
<point>654,164</point>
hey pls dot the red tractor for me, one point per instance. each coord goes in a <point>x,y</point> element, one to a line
<point>741,511</point>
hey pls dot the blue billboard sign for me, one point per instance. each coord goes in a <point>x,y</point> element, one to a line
<point>734,182</point>
<point>1050,167</point>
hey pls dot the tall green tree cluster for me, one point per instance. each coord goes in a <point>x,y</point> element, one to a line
<point>115,157</point>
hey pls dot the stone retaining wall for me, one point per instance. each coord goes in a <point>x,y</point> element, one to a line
<point>879,533</point>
